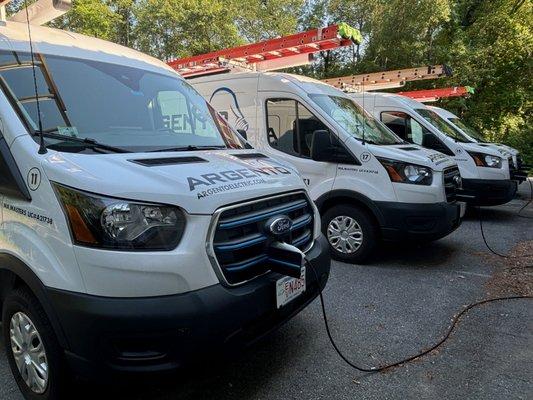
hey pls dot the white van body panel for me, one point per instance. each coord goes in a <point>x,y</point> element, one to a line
<point>242,99</point>
<point>376,103</point>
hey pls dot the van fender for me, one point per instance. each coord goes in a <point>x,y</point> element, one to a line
<point>17,267</point>
<point>350,197</point>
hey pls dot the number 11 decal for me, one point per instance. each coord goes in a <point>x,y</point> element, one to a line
<point>34,179</point>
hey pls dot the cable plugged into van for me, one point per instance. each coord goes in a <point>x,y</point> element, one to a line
<point>145,235</point>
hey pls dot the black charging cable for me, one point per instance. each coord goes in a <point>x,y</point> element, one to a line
<point>448,333</point>
<point>518,214</point>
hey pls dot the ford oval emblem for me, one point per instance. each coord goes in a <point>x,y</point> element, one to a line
<point>279,225</point>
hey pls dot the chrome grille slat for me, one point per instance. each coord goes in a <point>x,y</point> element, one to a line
<point>239,240</point>
<point>251,217</point>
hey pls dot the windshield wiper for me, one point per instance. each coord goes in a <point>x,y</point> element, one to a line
<point>366,140</point>
<point>188,148</point>
<point>88,142</point>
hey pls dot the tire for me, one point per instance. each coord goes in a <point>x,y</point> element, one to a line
<point>21,307</point>
<point>350,251</point>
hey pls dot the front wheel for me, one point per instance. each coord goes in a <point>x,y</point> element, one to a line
<point>351,233</point>
<point>34,355</point>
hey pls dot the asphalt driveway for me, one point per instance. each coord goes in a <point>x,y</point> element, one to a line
<point>382,312</point>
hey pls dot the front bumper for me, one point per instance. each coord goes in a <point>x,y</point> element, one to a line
<point>519,175</point>
<point>401,221</point>
<point>490,192</point>
<point>110,336</point>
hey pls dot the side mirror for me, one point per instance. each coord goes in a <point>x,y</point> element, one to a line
<point>325,147</point>
<point>242,132</point>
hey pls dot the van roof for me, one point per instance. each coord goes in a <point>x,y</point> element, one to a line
<point>14,37</point>
<point>406,101</point>
<point>442,112</point>
<point>272,79</point>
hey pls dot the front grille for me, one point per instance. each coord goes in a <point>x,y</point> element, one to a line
<point>519,162</point>
<point>512,167</point>
<point>450,184</point>
<point>240,243</point>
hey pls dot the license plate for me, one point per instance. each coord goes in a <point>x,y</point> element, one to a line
<point>463,209</point>
<point>287,289</point>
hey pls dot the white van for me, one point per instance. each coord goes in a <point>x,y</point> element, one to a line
<point>485,173</point>
<point>144,231</point>
<point>515,161</point>
<point>367,183</point>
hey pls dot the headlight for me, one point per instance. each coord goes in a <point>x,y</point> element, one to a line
<point>486,160</point>
<point>109,223</point>
<point>402,172</point>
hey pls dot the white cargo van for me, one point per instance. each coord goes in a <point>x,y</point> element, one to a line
<point>513,155</point>
<point>143,231</point>
<point>367,183</point>
<point>485,173</point>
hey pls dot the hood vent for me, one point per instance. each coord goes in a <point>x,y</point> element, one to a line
<point>249,155</point>
<point>409,148</point>
<point>155,162</point>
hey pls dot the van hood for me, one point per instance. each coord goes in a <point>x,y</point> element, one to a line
<point>510,149</point>
<point>482,148</point>
<point>414,154</point>
<point>505,151</point>
<point>199,182</point>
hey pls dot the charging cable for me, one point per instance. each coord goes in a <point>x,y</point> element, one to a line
<point>518,214</point>
<point>449,331</point>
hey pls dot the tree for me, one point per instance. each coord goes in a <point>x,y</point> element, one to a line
<point>177,28</point>
<point>258,20</point>
<point>403,32</point>
<point>91,17</point>
<point>490,45</point>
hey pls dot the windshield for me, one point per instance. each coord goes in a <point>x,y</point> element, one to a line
<point>469,131</point>
<point>438,122</point>
<point>355,120</point>
<point>115,105</point>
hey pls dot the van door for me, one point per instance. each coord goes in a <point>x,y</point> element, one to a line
<point>289,128</point>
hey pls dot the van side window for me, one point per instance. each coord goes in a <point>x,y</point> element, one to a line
<point>404,126</point>
<point>290,127</point>
<point>410,130</point>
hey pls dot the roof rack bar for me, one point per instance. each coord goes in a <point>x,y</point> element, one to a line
<point>42,11</point>
<point>388,79</point>
<point>3,15</point>
<point>279,52</point>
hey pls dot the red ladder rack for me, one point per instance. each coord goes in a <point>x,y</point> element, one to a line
<point>388,79</point>
<point>270,54</point>
<point>429,95</point>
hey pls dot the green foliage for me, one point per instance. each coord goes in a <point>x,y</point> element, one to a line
<point>489,45</point>
<point>259,19</point>
<point>93,18</point>
<point>177,28</point>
